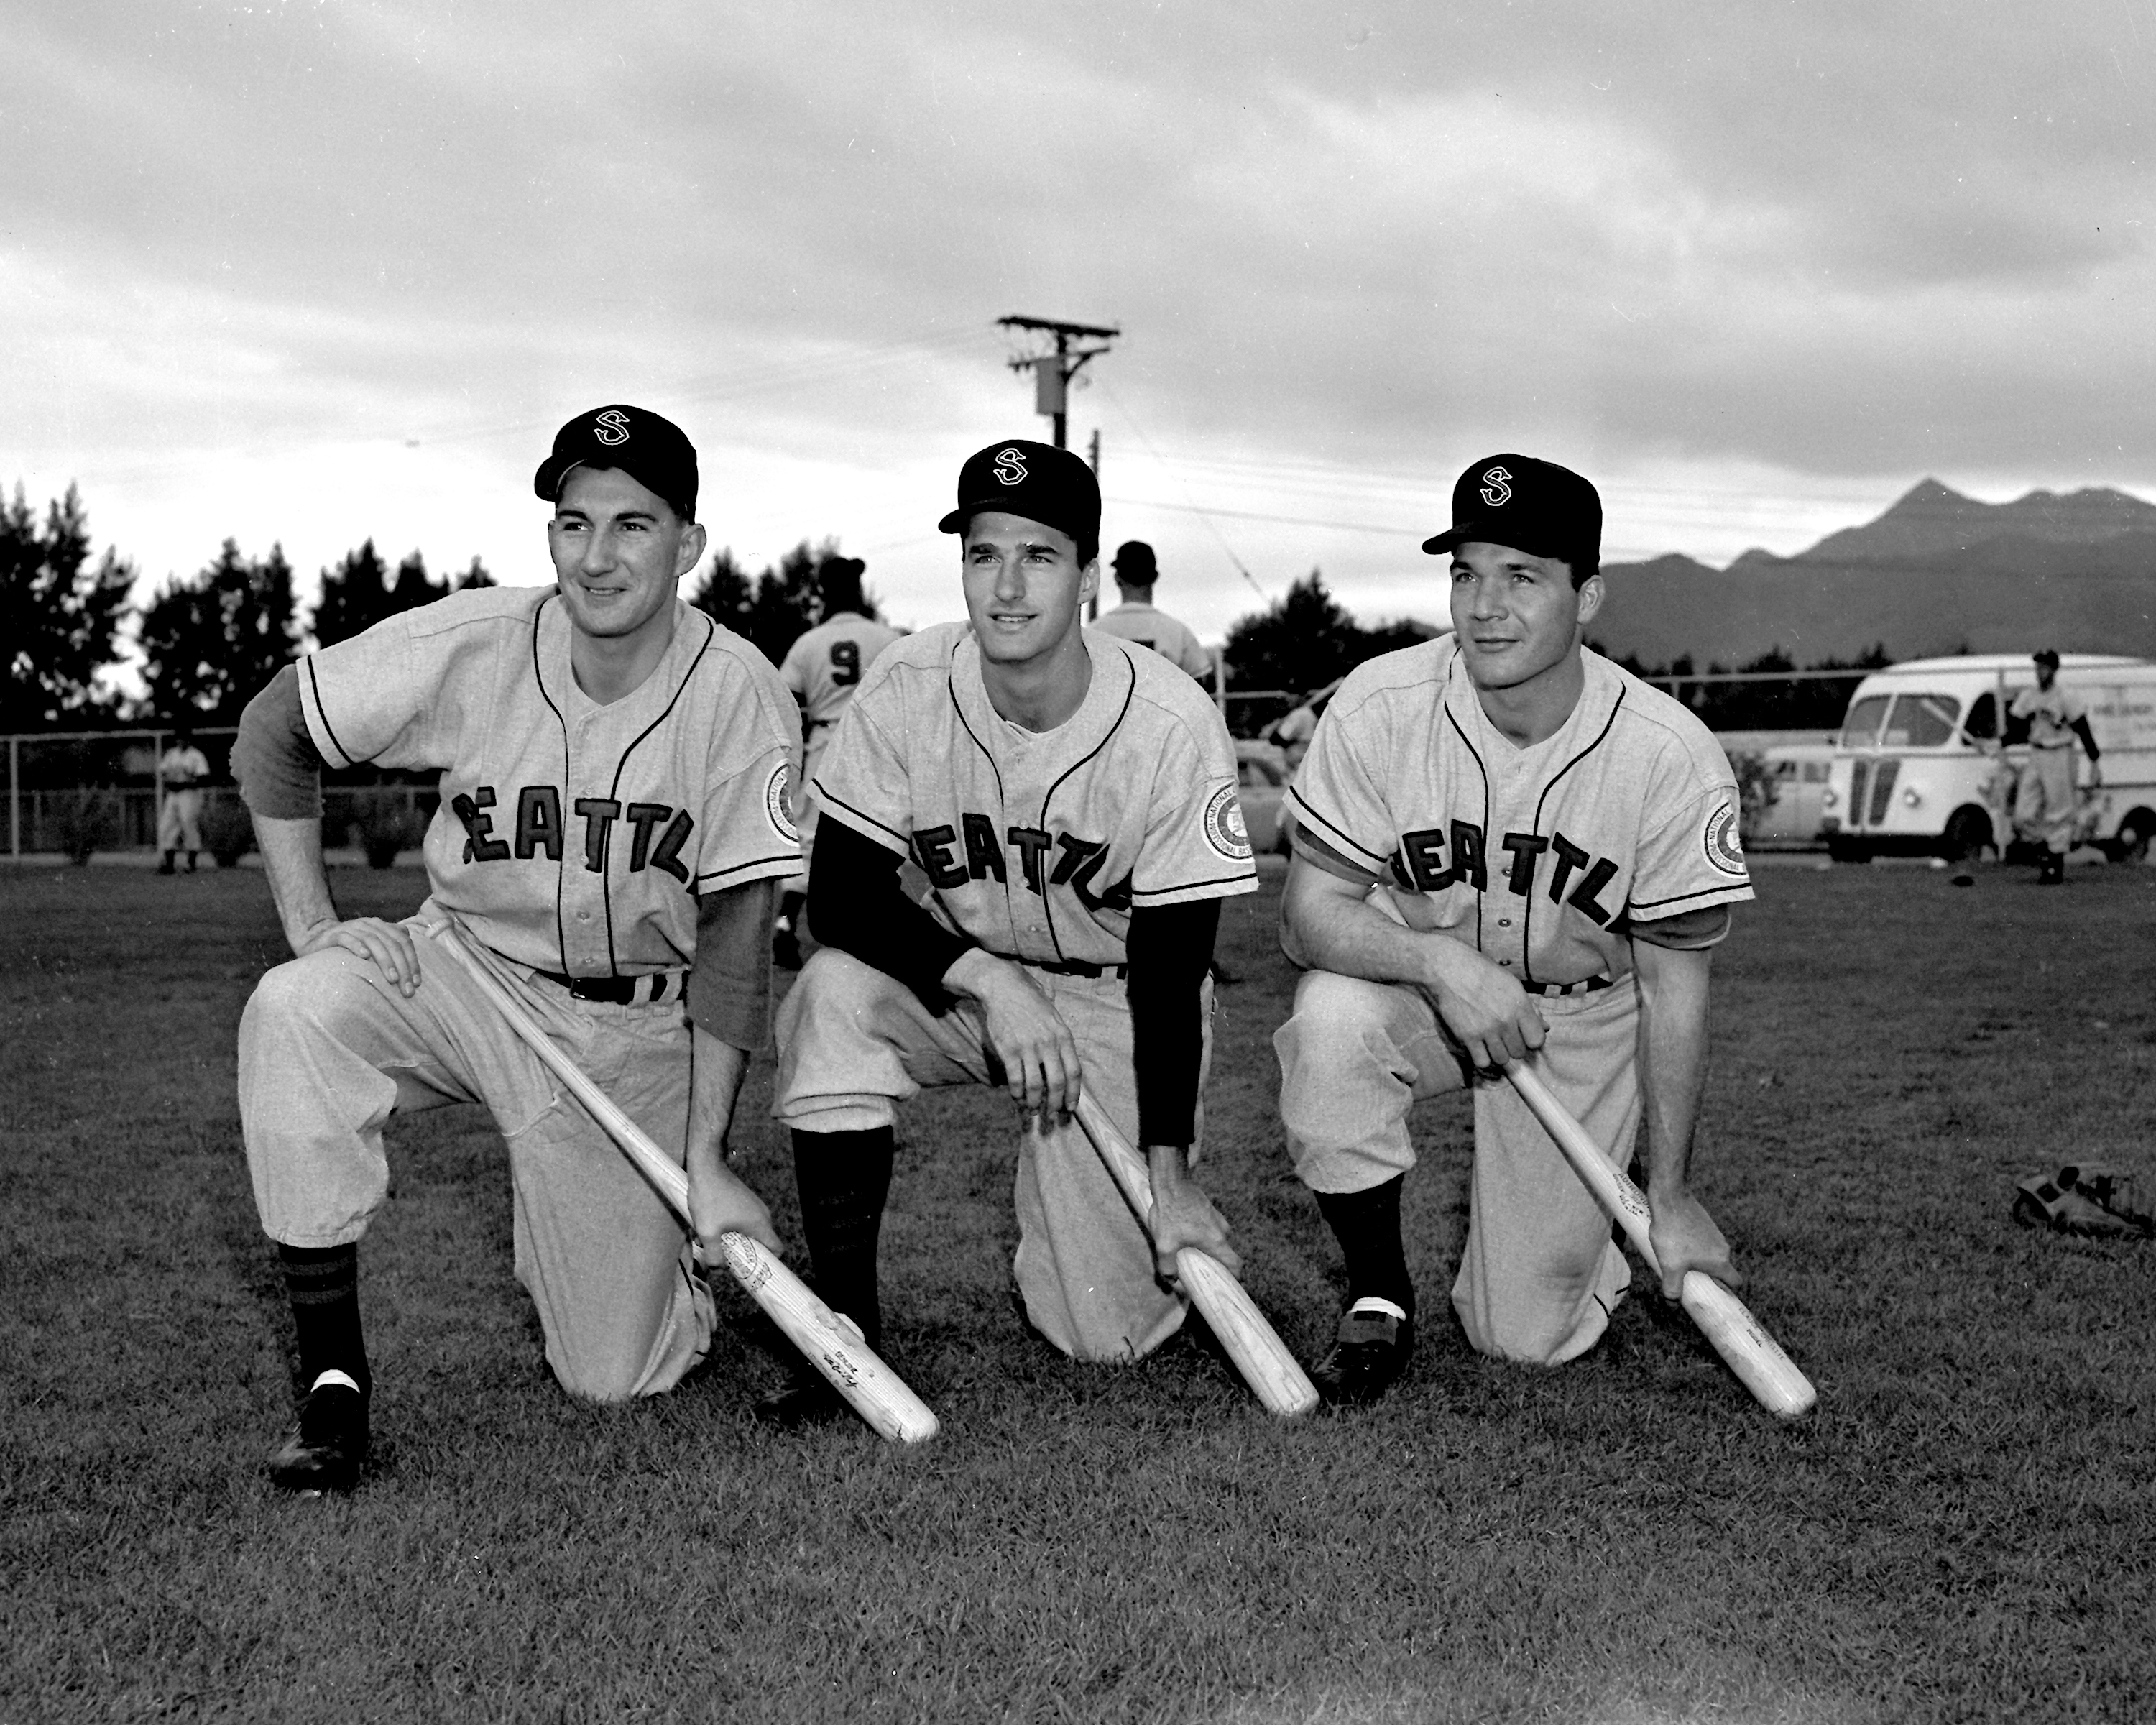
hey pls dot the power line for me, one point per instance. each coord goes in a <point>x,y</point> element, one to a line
<point>1138,432</point>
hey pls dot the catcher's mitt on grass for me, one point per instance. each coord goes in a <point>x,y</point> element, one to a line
<point>2081,1199</point>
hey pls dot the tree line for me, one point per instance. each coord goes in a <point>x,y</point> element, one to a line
<point>209,640</point>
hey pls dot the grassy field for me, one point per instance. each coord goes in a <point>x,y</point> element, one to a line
<point>1961,1532</point>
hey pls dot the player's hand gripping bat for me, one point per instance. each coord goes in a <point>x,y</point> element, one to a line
<point>1266,1365</point>
<point>834,1347</point>
<point>1749,1351</point>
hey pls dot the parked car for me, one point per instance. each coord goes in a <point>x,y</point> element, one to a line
<point>1797,775</point>
<point>1261,784</point>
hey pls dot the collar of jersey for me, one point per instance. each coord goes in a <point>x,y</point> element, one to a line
<point>1598,695</point>
<point>1106,697</point>
<point>559,682</point>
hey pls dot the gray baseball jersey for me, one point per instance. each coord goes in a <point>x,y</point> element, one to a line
<point>1150,626</point>
<point>2051,713</point>
<point>1537,857</point>
<point>825,664</point>
<point>1040,846</point>
<point>572,837</point>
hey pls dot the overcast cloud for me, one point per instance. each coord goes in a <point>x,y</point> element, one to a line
<point>313,272</point>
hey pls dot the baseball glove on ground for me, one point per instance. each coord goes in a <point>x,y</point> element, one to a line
<point>2082,1199</point>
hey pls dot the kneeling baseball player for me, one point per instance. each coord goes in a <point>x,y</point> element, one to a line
<point>615,775</point>
<point>1505,847</point>
<point>1071,799</point>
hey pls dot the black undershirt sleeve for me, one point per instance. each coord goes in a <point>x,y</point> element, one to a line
<point>279,768</point>
<point>729,992</point>
<point>856,904</point>
<point>1170,947</point>
<point>2088,739</point>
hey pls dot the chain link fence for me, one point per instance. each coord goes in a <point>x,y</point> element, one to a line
<point>72,793</point>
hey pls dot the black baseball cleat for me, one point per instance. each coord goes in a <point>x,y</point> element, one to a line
<point>1369,1356</point>
<point>324,1451</point>
<point>803,1403</point>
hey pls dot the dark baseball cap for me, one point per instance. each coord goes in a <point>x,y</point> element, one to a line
<point>1531,505</point>
<point>656,453</point>
<point>1038,481</point>
<point>2045,655</point>
<point>1136,555</point>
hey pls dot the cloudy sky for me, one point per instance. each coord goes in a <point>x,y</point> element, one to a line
<point>313,272</point>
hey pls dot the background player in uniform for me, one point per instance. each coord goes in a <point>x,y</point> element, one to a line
<point>1294,729</point>
<point>1072,803</point>
<point>614,775</point>
<point>1137,618</point>
<point>823,668</point>
<point>2045,801</point>
<point>181,771</point>
<point>1504,844</point>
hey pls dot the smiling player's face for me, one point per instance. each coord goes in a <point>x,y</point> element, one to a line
<point>1517,615</point>
<point>1024,587</point>
<point>619,551</point>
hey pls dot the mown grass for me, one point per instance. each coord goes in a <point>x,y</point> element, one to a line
<point>1961,1532</point>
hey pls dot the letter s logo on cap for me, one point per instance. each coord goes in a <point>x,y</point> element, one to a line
<point>611,427</point>
<point>1010,466</point>
<point>1497,488</point>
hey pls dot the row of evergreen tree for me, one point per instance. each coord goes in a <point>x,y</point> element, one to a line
<point>209,640</point>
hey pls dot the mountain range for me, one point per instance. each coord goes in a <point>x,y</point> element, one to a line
<point>1937,573</point>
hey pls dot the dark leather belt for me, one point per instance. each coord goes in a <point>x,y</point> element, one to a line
<point>1071,967</point>
<point>620,990</point>
<point>1594,984</point>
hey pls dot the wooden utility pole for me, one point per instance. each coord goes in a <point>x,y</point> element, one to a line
<point>1052,372</point>
<point>1093,611</point>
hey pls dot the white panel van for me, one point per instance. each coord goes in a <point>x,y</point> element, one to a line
<point>1924,765</point>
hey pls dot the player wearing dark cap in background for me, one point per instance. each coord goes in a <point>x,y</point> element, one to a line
<point>615,775</point>
<point>1072,802</point>
<point>822,669</point>
<point>1137,618</point>
<point>2045,801</point>
<point>1504,844</point>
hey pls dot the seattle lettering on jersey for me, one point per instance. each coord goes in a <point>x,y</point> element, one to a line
<point>1075,861</point>
<point>538,827</point>
<point>1419,864</point>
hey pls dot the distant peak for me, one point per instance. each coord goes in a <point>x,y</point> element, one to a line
<point>1926,494</point>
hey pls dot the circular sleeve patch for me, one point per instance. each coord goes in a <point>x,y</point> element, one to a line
<point>1224,830</point>
<point>1724,848</point>
<point>777,799</point>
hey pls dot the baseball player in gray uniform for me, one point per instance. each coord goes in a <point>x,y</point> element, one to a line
<point>823,668</point>
<point>2045,800</point>
<point>181,771</point>
<point>1071,801</point>
<point>1137,618</point>
<point>614,772</point>
<point>1505,848</point>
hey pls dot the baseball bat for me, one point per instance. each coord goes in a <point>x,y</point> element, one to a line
<point>1260,1355</point>
<point>1754,1355</point>
<point>827,1341</point>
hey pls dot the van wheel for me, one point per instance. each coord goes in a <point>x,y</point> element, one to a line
<point>1848,850</point>
<point>1966,835</point>
<point>2134,832</point>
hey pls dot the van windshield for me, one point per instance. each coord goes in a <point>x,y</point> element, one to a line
<point>1922,722</point>
<point>1861,729</point>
